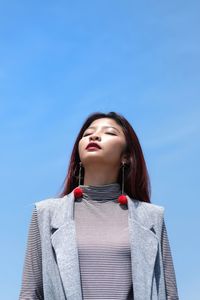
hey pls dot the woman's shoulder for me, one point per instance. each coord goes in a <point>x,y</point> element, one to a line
<point>49,203</point>
<point>148,207</point>
<point>152,206</point>
<point>148,213</point>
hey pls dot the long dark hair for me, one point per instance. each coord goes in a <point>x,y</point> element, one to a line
<point>136,177</point>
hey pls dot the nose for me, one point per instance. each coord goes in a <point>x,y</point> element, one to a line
<point>95,137</point>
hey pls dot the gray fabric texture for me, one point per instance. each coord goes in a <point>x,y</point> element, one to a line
<point>99,235</point>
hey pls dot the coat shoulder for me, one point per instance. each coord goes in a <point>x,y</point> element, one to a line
<point>151,207</point>
<point>146,212</point>
<point>49,203</point>
<point>155,212</point>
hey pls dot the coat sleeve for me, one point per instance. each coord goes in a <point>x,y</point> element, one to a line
<point>169,272</point>
<point>32,285</point>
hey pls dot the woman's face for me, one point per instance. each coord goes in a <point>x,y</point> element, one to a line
<point>109,136</point>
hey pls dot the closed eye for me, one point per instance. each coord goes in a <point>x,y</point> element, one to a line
<point>106,133</point>
<point>111,133</point>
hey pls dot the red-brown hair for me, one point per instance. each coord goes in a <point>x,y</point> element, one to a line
<point>136,177</point>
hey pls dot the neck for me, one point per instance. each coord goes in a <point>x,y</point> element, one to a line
<point>101,176</point>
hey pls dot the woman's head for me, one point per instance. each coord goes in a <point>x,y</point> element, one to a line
<point>107,159</point>
<point>119,143</point>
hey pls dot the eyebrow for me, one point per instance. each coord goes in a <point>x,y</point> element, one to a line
<point>104,127</point>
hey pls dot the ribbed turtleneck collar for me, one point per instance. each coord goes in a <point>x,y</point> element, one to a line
<point>102,192</point>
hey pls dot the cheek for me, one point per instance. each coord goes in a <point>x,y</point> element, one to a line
<point>116,147</point>
<point>81,145</point>
<point>122,147</point>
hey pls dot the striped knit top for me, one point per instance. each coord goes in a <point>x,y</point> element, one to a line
<point>103,249</point>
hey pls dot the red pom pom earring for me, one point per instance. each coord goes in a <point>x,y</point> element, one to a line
<point>122,199</point>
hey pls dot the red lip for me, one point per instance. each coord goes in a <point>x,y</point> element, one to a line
<point>93,145</point>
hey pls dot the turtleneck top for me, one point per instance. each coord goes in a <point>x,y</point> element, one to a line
<point>103,249</point>
<point>103,243</point>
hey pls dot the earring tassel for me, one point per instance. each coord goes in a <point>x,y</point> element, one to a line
<point>122,199</point>
<point>78,192</point>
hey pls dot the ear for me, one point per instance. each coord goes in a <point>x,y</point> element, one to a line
<point>125,159</point>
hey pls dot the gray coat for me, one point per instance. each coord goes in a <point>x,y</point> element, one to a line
<point>60,262</point>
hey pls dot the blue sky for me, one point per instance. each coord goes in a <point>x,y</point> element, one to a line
<point>62,60</point>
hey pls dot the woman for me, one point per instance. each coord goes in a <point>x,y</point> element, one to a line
<point>101,238</point>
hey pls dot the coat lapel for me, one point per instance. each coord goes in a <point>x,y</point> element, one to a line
<point>144,247</point>
<point>143,243</point>
<point>63,240</point>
